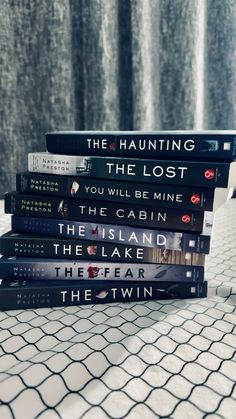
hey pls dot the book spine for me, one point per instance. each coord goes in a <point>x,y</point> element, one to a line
<point>161,239</point>
<point>21,294</point>
<point>13,244</point>
<point>129,192</point>
<point>154,144</point>
<point>188,173</point>
<point>34,268</point>
<point>122,214</point>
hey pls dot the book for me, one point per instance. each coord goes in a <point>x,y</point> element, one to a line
<point>116,213</point>
<point>187,242</point>
<point>36,268</point>
<point>19,294</point>
<point>216,145</point>
<point>175,172</point>
<point>28,245</point>
<point>175,196</point>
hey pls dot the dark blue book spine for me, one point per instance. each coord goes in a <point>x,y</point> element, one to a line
<point>19,294</point>
<point>187,144</point>
<point>60,269</point>
<point>193,198</point>
<point>121,214</point>
<point>162,239</point>
<point>174,172</point>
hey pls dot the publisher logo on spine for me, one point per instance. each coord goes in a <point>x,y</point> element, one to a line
<point>195,199</point>
<point>209,174</point>
<point>186,218</point>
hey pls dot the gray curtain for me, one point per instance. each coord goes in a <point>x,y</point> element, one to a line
<point>112,64</point>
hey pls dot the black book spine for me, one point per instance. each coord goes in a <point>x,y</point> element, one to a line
<point>193,198</point>
<point>187,173</point>
<point>19,294</point>
<point>205,145</point>
<point>161,239</point>
<point>14,244</point>
<point>121,214</point>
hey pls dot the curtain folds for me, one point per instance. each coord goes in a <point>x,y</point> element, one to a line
<point>109,65</point>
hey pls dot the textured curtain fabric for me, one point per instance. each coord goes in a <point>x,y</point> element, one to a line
<point>112,64</point>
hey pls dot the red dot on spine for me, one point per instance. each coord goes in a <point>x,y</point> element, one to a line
<point>186,218</point>
<point>209,174</point>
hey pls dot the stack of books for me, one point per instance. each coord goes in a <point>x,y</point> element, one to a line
<point>113,216</point>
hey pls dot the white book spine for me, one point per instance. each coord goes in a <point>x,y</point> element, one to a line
<point>53,163</point>
<point>21,268</point>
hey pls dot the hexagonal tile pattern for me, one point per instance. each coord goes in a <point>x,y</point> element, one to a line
<point>157,359</point>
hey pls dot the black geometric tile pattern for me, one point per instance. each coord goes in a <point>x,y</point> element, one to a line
<point>157,359</point>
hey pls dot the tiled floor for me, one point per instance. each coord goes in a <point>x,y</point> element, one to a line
<point>172,359</point>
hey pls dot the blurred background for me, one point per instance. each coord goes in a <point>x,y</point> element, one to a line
<point>110,65</point>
